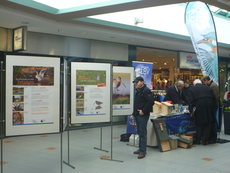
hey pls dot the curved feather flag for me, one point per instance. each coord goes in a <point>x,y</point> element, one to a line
<point>201,28</point>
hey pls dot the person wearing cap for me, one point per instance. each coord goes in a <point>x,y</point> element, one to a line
<point>143,104</point>
<point>201,106</point>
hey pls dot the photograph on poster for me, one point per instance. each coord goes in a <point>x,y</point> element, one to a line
<point>90,77</point>
<point>79,95</point>
<point>121,88</point>
<point>18,98</point>
<point>79,111</point>
<point>18,106</point>
<point>79,88</point>
<point>33,75</point>
<point>18,90</point>
<point>18,118</point>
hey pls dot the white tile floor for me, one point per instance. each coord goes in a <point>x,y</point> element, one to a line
<point>30,154</point>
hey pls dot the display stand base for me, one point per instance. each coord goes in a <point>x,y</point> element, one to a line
<point>112,160</point>
<point>100,149</point>
<point>69,165</point>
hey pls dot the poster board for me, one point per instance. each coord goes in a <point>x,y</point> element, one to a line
<point>32,95</point>
<point>123,90</point>
<point>90,92</point>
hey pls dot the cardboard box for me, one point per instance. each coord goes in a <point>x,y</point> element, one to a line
<point>157,107</point>
<point>166,108</point>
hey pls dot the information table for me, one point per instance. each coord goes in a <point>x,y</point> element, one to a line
<point>176,124</point>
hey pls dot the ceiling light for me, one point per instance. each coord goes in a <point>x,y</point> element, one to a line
<point>165,63</point>
<point>160,68</point>
<point>143,59</point>
<point>173,59</point>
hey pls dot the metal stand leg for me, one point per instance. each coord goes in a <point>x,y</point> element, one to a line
<point>134,127</point>
<point>111,159</point>
<point>101,143</point>
<point>67,163</point>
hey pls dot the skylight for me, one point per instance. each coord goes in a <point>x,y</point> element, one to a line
<point>68,3</point>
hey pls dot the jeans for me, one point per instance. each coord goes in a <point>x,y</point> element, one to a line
<point>142,121</point>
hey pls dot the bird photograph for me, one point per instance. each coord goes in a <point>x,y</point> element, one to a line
<point>35,75</point>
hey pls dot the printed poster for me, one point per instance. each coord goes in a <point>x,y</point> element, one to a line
<point>90,92</point>
<point>123,90</point>
<point>33,94</point>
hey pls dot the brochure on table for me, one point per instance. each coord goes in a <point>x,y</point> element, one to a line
<point>123,90</point>
<point>90,92</point>
<point>32,95</point>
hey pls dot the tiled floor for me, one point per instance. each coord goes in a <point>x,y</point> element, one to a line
<point>41,154</point>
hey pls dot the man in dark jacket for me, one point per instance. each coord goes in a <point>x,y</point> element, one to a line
<point>175,93</point>
<point>186,89</point>
<point>213,131</point>
<point>201,106</point>
<point>143,104</point>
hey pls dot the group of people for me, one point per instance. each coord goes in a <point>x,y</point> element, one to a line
<point>203,100</point>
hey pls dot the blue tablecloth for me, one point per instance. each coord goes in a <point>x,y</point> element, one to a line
<point>179,124</point>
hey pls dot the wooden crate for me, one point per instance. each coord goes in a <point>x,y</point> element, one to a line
<point>166,108</point>
<point>157,107</point>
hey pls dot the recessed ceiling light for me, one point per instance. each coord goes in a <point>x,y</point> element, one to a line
<point>165,63</point>
<point>143,59</point>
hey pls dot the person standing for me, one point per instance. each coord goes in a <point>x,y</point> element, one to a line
<point>175,93</point>
<point>186,89</point>
<point>143,104</point>
<point>201,106</point>
<point>213,132</point>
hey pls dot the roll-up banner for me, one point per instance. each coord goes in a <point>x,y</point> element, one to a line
<point>201,28</point>
<point>144,70</point>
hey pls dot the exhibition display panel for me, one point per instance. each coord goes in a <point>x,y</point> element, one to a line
<point>90,92</point>
<point>32,95</point>
<point>123,90</point>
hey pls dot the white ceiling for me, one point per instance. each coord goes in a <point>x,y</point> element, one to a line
<point>14,15</point>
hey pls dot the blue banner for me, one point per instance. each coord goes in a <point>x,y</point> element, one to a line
<point>144,70</point>
<point>201,28</point>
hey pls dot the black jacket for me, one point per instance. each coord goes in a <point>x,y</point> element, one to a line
<point>143,100</point>
<point>175,95</point>
<point>202,97</point>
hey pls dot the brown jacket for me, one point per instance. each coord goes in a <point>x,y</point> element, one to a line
<point>215,89</point>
